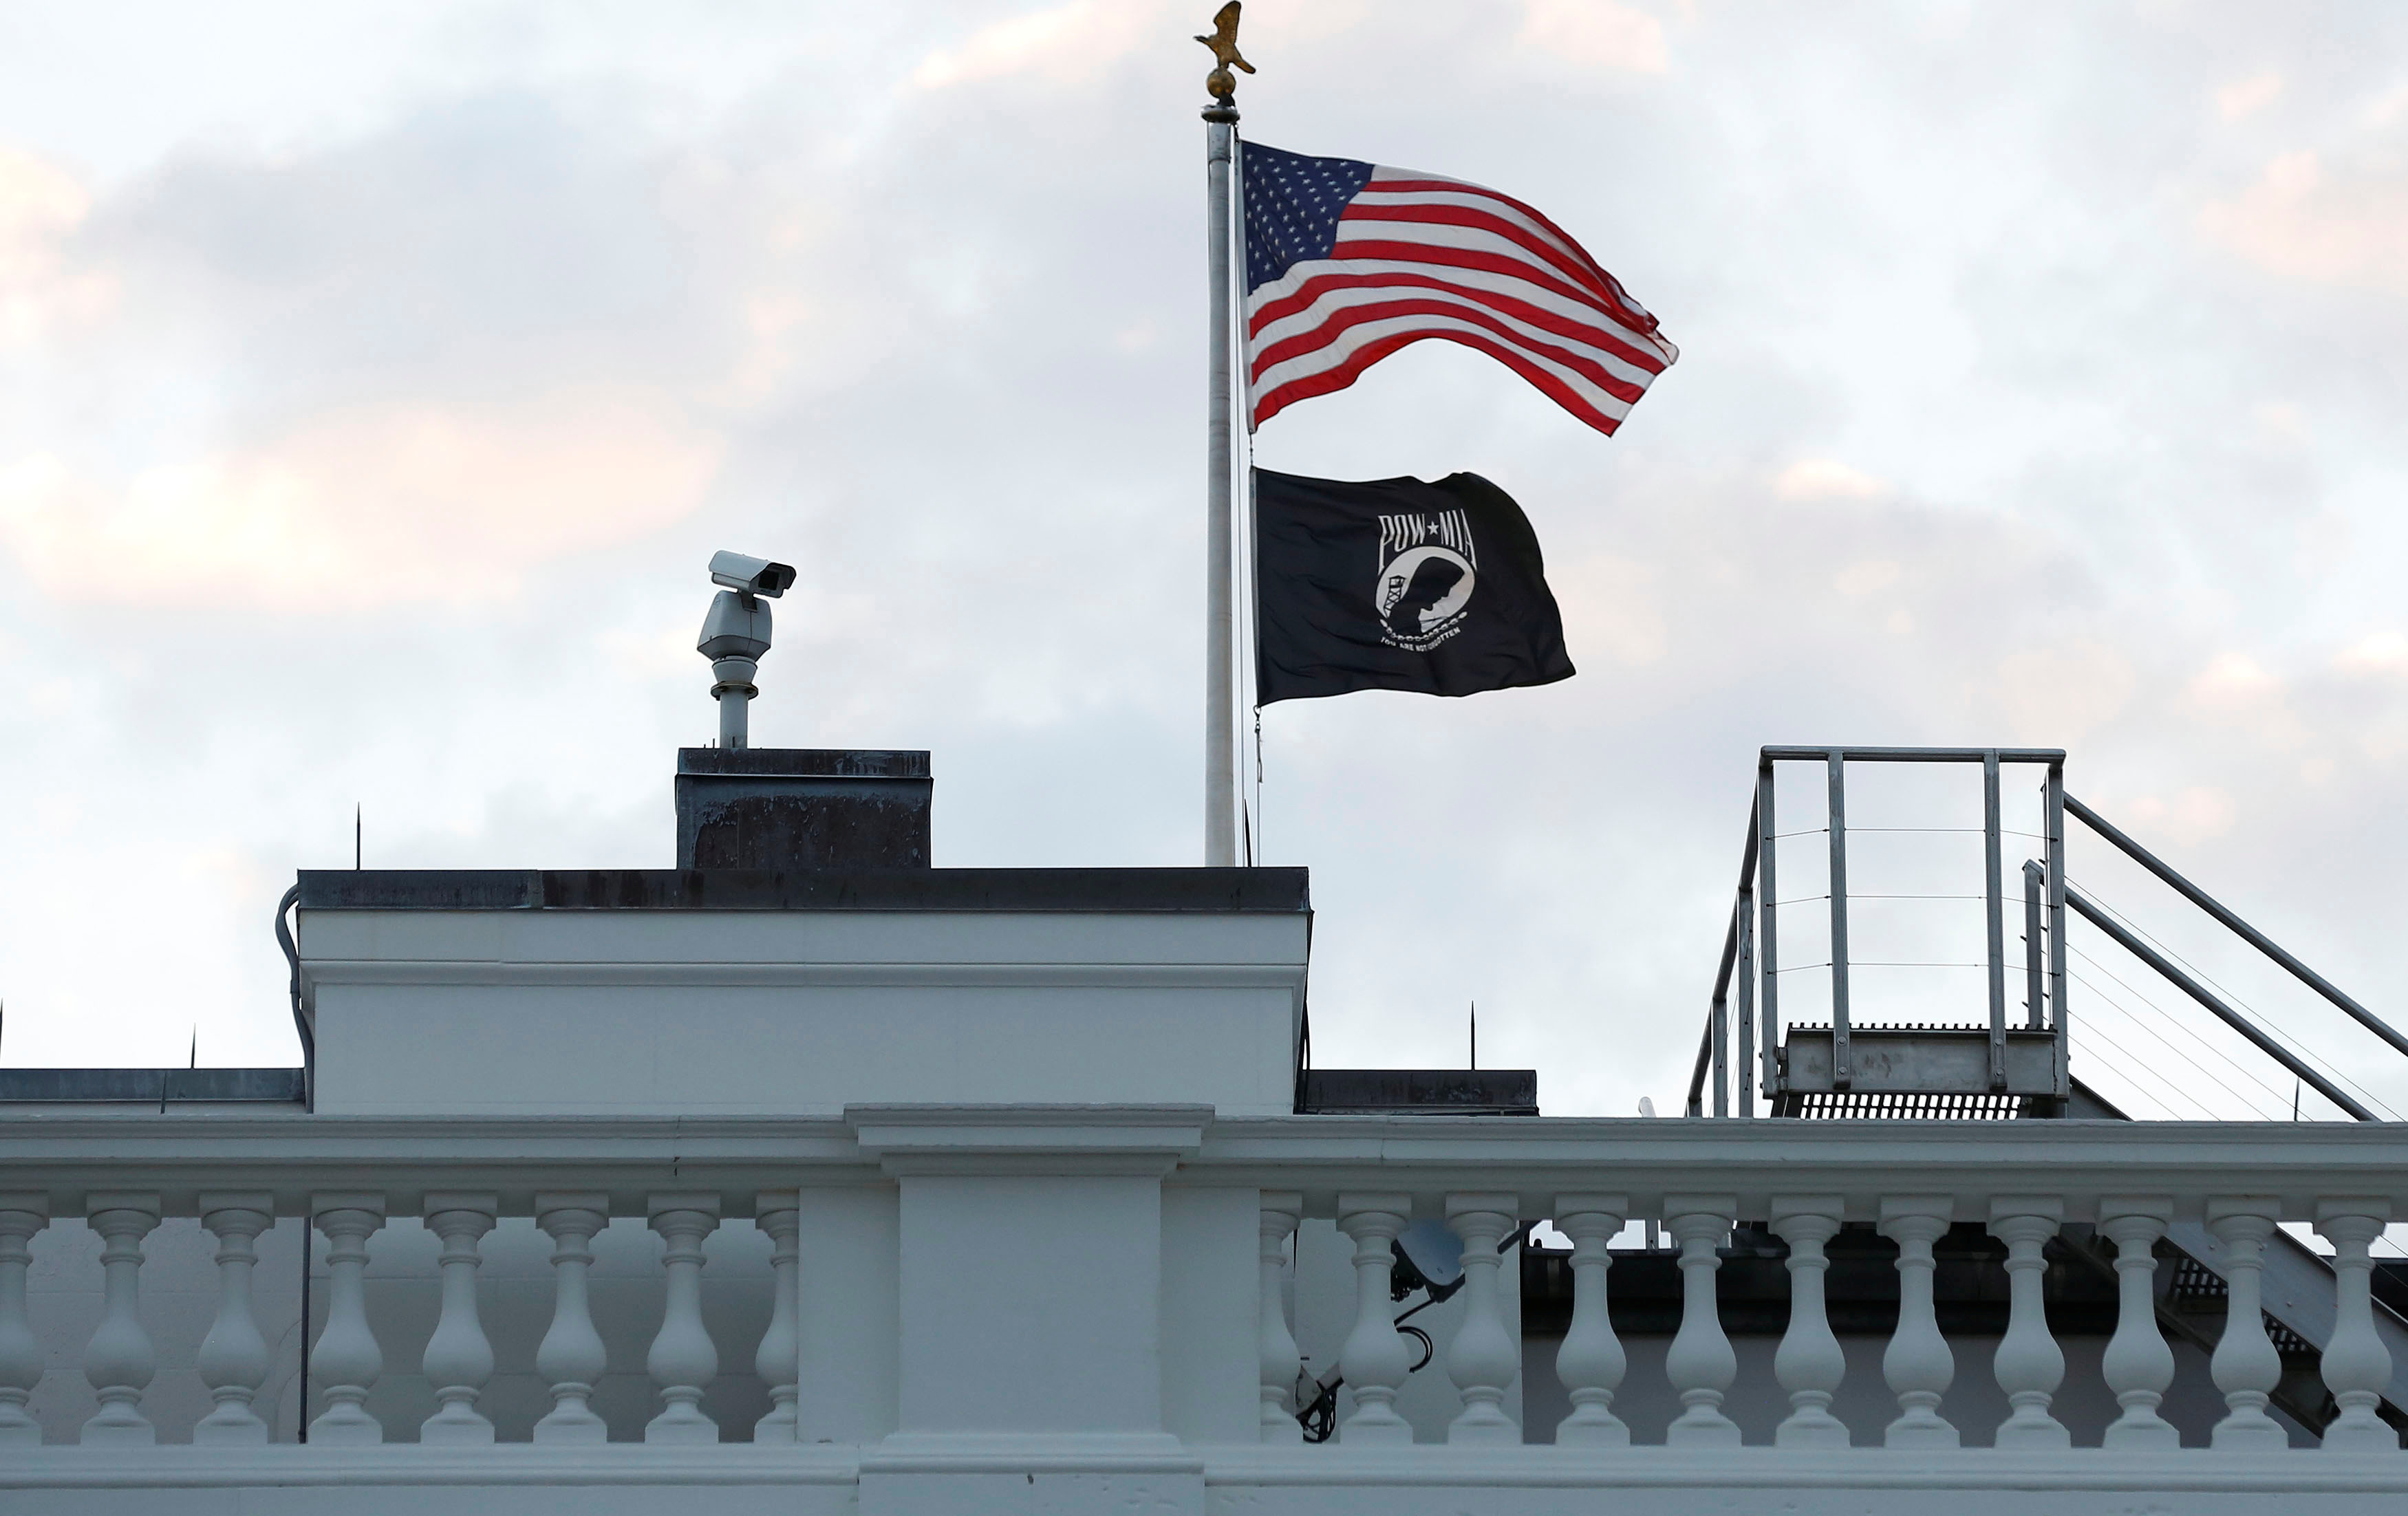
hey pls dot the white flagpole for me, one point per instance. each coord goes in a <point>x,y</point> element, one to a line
<point>1220,628</point>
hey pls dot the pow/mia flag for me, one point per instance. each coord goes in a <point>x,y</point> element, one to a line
<point>1396,584</point>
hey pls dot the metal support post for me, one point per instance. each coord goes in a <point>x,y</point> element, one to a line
<point>1718,1020</point>
<point>2035,984</point>
<point>2053,805</point>
<point>1992,867</point>
<point>1743,1067</point>
<point>1768,1005</point>
<point>1842,1069</point>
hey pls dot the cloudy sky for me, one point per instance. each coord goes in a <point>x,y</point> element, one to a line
<point>374,380</point>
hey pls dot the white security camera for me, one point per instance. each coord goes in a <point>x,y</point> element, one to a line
<point>736,634</point>
<point>751,576</point>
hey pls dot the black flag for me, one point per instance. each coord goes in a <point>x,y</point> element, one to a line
<point>1396,584</point>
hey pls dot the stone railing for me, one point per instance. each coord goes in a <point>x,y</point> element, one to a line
<point>2125,1185</point>
<point>962,1291</point>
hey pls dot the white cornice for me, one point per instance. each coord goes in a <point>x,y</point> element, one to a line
<point>1029,1139</point>
<point>320,972</point>
<point>64,1153</point>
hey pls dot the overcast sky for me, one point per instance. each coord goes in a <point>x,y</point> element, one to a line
<point>376,379</point>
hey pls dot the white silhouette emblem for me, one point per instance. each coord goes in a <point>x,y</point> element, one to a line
<point>1428,568</point>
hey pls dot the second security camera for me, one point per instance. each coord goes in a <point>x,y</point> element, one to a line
<point>751,576</point>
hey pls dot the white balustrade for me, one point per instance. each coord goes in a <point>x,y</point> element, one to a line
<point>1485,1357</point>
<point>778,1359</point>
<point>682,1361</point>
<point>2357,1365</point>
<point>120,1360</point>
<point>346,1362</point>
<point>1917,1364</point>
<point>2245,1364</point>
<point>459,1358</point>
<point>2024,1204</point>
<point>2138,1365</point>
<point>1374,1360</point>
<point>1278,1363</point>
<point>233,1359</point>
<point>2029,1364</point>
<point>22,1216</point>
<point>1591,1362</point>
<point>1809,1363</point>
<point>571,1356</point>
<point>1701,1363</point>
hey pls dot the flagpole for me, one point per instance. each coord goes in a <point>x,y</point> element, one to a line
<point>1220,627</point>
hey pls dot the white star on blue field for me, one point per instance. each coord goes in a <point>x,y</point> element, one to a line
<point>1292,204</point>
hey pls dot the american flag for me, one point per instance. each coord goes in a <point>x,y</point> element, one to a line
<point>1346,262</point>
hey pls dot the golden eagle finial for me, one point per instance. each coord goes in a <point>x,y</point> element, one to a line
<point>1221,85</point>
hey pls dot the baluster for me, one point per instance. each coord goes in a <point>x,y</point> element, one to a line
<point>1591,1360</point>
<point>22,1216</point>
<point>1810,1362</point>
<point>347,1360</point>
<point>682,1361</point>
<point>2029,1364</point>
<point>459,1359</point>
<point>2245,1364</point>
<point>2357,1365</point>
<point>1278,1365</point>
<point>233,1359</point>
<point>1699,1362</point>
<point>571,1357</point>
<point>2138,1365</point>
<point>778,1359</point>
<point>1484,1357</point>
<point>1374,1359</point>
<point>120,1359</point>
<point>1917,1364</point>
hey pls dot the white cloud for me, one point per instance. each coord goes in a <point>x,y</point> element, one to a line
<point>1075,41</point>
<point>2233,680</point>
<point>2063,694</point>
<point>2299,221</point>
<point>41,205</point>
<point>1597,34</point>
<point>1826,479</point>
<point>672,286</point>
<point>2378,652</point>
<point>2196,813</point>
<point>1868,577</point>
<point>2243,97</point>
<point>395,503</point>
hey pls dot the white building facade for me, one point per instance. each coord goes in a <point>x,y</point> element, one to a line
<point>938,1191</point>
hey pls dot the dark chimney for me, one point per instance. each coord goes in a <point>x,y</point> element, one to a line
<point>802,809</point>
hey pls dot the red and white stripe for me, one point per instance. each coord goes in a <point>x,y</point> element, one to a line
<point>1419,256</point>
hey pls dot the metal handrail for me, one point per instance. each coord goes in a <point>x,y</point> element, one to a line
<point>2247,933</point>
<point>2230,1017</point>
<point>2046,899</point>
<point>1735,955</point>
<point>1752,935</point>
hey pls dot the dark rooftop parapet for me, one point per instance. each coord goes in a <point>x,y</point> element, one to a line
<point>1419,1092</point>
<point>1087,889</point>
<point>141,1086</point>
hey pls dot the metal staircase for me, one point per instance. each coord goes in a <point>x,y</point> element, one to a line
<point>2012,1067</point>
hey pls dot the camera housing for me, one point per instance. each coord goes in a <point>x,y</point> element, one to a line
<point>751,576</point>
<point>737,627</point>
<point>736,634</point>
